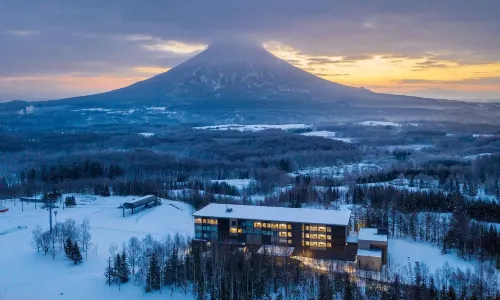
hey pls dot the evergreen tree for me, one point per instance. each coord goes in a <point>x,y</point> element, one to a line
<point>68,248</point>
<point>433,293</point>
<point>117,268</point>
<point>109,273</point>
<point>124,269</point>
<point>451,295</point>
<point>76,254</point>
<point>153,276</point>
<point>325,288</point>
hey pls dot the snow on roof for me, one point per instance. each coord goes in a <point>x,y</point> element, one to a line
<point>371,234</point>
<point>352,239</point>
<point>275,250</point>
<point>371,253</point>
<point>139,199</point>
<point>280,214</point>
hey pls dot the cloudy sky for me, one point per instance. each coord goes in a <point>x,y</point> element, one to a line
<point>58,48</point>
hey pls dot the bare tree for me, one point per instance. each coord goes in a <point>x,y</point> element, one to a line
<point>133,251</point>
<point>46,242</point>
<point>36,241</point>
<point>85,236</point>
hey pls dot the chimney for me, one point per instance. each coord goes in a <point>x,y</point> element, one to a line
<point>229,209</point>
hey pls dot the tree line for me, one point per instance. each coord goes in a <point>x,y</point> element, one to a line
<point>178,264</point>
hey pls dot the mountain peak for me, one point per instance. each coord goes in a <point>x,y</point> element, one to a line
<point>236,44</point>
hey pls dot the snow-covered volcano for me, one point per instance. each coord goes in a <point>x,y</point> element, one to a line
<point>241,68</point>
<point>238,74</point>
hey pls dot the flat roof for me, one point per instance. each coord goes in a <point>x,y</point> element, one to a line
<point>371,234</point>
<point>279,214</point>
<point>369,253</point>
<point>352,239</point>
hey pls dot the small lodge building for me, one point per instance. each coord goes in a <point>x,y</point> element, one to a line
<point>146,202</point>
<point>303,232</point>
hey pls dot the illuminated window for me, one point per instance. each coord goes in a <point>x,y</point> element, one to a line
<point>289,241</point>
<point>314,228</point>
<point>314,244</point>
<point>282,226</point>
<point>240,230</point>
<point>322,228</point>
<point>322,244</point>
<point>257,224</point>
<point>307,243</point>
<point>321,236</point>
<point>233,230</point>
<point>307,235</point>
<point>314,236</point>
<point>328,237</point>
<point>275,226</point>
<point>289,227</point>
<point>282,234</point>
<point>198,221</point>
<point>328,244</point>
<point>204,221</point>
<point>289,234</point>
<point>328,229</point>
<point>307,227</point>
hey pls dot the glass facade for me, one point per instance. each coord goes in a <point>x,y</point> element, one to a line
<point>316,236</point>
<point>206,228</point>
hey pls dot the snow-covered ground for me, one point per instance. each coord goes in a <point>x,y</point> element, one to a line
<point>482,135</point>
<point>147,134</point>
<point>93,109</point>
<point>24,274</point>
<point>475,156</point>
<point>403,251</point>
<point>379,123</point>
<point>328,135</point>
<point>415,147</point>
<point>238,183</point>
<point>157,108</point>
<point>340,171</point>
<point>256,127</point>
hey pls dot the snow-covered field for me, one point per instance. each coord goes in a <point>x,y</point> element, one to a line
<point>328,135</point>
<point>482,135</point>
<point>415,147</point>
<point>24,274</point>
<point>147,134</point>
<point>256,127</point>
<point>238,183</point>
<point>340,171</point>
<point>475,156</point>
<point>379,123</point>
<point>402,252</point>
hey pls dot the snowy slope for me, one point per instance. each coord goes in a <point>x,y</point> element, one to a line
<point>24,273</point>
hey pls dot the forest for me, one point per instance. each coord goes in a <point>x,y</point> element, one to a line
<point>444,194</point>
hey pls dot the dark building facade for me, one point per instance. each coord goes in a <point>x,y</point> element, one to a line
<point>311,232</point>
